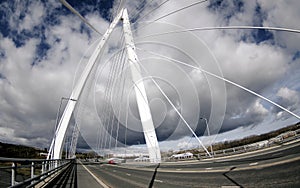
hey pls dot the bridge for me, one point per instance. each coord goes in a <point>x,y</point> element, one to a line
<point>275,165</point>
<point>125,79</point>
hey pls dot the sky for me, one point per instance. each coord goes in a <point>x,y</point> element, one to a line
<point>44,47</point>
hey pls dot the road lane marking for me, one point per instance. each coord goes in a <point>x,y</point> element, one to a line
<point>208,168</point>
<point>128,174</point>
<point>179,170</point>
<point>93,175</point>
<point>159,181</point>
<point>253,164</point>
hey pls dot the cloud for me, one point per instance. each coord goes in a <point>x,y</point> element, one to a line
<point>282,14</point>
<point>249,116</point>
<point>288,98</point>
<point>31,87</point>
<point>33,17</point>
<point>42,43</point>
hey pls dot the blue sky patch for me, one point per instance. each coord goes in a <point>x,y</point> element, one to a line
<point>88,6</point>
<point>226,8</point>
<point>260,35</point>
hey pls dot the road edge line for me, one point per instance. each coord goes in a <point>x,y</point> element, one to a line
<point>94,176</point>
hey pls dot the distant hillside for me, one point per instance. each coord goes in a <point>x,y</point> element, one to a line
<point>255,138</point>
<point>19,151</point>
<point>246,140</point>
<point>249,139</point>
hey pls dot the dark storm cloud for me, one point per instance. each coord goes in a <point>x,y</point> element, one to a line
<point>42,43</point>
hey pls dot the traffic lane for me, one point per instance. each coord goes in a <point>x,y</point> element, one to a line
<point>283,175</point>
<point>278,153</point>
<point>115,176</point>
<point>231,173</point>
<point>279,175</point>
<point>223,166</point>
<point>281,153</point>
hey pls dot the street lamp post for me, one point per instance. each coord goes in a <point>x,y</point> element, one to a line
<point>58,111</point>
<point>57,119</point>
<point>208,133</point>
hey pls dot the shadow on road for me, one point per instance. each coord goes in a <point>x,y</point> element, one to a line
<point>229,178</point>
<point>154,175</point>
<point>67,178</point>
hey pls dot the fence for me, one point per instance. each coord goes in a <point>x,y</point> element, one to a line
<point>28,172</point>
<point>280,139</point>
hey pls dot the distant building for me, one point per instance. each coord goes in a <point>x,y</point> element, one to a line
<point>142,159</point>
<point>43,154</point>
<point>187,155</point>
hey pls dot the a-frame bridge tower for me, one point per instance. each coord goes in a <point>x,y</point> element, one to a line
<point>56,148</point>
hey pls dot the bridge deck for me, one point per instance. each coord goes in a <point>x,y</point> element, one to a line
<point>85,179</point>
<point>75,176</point>
<point>276,167</point>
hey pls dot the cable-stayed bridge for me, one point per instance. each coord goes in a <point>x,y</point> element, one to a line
<point>125,67</point>
<point>123,79</point>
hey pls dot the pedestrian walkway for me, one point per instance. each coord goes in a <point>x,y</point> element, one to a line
<point>75,176</point>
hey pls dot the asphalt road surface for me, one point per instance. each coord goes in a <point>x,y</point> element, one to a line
<point>274,167</point>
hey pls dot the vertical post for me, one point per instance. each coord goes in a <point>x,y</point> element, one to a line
<point>43,167</point>
<point>208,133</point>
<point>32,170</point>
<point>13,174</point>
<point>66,149</point>
<point>140,92</point>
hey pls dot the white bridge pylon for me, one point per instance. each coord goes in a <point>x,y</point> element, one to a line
<point>56,147</point>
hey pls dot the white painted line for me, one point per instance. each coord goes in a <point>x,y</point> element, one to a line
<point>253,164</point>
<point>95,177</point>
<point>128,174</point>
<point>230,186</point>
<point>208,168</point>
<point>159,181</point>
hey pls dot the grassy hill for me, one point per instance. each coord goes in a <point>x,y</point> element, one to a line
<point>19,151</point>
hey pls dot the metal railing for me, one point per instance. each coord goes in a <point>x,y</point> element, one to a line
<point>15,172</point>
<point>280,139</point>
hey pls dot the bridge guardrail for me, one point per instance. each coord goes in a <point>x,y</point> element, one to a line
<point>16,172</point>
<point>280,139</point>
